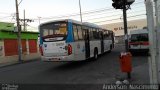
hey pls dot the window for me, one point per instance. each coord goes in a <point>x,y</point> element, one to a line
<point>75,32</point>
<point>80,35</point>
<point>144,37</point>
<point>90,33</point>
<point>94,33</point>
<point>97,37</point>
<point>106,34</point>
<point>139,37</point>
<point>110,35</point>
<point>54,31</point>
<point>100,34</point>
<point>135,37</point>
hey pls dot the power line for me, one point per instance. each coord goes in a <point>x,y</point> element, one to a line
<point>13,17</point>
<point>5,17</point>
<point>4,13</point>
<point>20,2</point>
<point>111,15</point>
<point>32,26</point>
<point>119,18</point>
<point>84,13</point>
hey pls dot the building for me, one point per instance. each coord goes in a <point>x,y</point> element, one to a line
<point>9,44</point>
<point>118,28</point>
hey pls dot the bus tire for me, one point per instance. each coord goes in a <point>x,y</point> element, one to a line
<point>95,54</point>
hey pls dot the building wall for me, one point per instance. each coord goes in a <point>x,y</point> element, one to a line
<point>9,45</point>
<point>9,53</point>
<point>118,29</point>
<point>6,26</point>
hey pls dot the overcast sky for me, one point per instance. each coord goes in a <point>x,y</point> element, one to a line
<point>57,9</point>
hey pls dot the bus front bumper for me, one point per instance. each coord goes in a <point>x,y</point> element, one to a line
<point>139,50</point>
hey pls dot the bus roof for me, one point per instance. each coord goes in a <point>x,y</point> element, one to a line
<point>73,21</point>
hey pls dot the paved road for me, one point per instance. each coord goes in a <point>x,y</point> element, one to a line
<point>104,70</point>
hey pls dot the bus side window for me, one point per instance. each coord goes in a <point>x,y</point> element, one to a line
<point>45,33</point>
<point>75,32</point>
<point>105,35</point>
<point>110,35</point>
<point>79,33</point>
<point>98,36</point>
<point>90,34</point>
<point>94,34</point>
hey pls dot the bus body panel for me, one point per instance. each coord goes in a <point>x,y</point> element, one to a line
<point>53,51</point>
<point>53,56</point>
<point>78,53</point>
<point>107,44</point>
<point>95,44</point>
<point>79,50</point>
<point>70,33</point>
<point>54,48</point>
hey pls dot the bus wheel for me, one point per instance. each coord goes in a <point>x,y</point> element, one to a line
<point>95,54</point>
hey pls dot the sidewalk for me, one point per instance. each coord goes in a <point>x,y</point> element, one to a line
<point>139,75</point>
<point>17,62</point>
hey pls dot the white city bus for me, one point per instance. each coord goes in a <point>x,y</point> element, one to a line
<point>69,40</point>
<point>139,41</point>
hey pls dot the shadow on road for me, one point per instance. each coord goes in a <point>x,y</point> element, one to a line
<point>74,64</point>
<point>78,64</point>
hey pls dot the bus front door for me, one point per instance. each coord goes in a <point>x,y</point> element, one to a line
<point>87,44</point>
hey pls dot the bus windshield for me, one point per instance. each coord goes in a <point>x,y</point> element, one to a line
<point>53,32</point>
<point>139,37</point>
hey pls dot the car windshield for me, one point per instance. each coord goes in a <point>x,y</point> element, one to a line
<point>139,37</point>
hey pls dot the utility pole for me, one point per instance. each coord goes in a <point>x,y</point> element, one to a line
<point>24,23</point>
<point>125,31</point>
<point>152,59</point>
<point>125,25</point>
<point>19,33</point>
<point>157,14</point>
<point>39,19</point>
<point>124,4</point>
<point>80,10</point>
<point>157,10</point>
